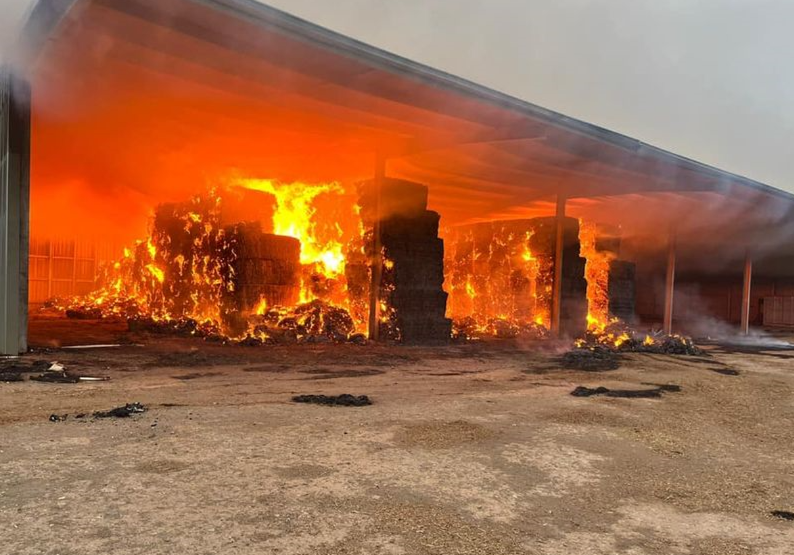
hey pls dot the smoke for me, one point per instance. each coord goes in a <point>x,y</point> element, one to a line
<point>699,316</point>
<point>708,79</point>
<point>13,16</point>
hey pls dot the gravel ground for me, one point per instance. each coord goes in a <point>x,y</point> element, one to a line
<point>473,449</point>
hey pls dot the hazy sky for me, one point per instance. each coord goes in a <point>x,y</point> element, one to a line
<point>708,79</point>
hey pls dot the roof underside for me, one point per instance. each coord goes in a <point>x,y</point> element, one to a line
<point>149,94</point>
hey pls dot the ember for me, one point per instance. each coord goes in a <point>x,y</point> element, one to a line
<point>469,329</point>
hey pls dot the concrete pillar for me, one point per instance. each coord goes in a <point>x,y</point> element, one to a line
<point>669,286</point>
<point>14,211</point>
<point>746,286</point>
<point>556,294</point>
<point>377,262</point>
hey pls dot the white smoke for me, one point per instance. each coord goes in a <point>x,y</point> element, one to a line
<point>12,16</point>
<point>693,316</point>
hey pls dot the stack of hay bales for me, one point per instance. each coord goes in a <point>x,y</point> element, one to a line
<point>413,261</point>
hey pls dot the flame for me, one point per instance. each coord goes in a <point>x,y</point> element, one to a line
<point>295,216</point>
<point>261,307</point>
<point>597,276</point>
<point>185,268</point>
<point>494,280</point>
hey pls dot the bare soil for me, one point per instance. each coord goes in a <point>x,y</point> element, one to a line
<point>467,449</point>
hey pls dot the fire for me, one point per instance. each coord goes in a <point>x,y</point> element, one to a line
<point>261,307</point>
<point>296,216</point>
<point>597,276</point>
<point>186,269</point>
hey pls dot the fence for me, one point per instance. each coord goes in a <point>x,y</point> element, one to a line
<point>65,267</point>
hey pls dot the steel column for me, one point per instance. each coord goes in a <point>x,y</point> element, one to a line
<point>746,286</point>
<point>556,294</point>
<point>669,286</point>
<point>14,211</point>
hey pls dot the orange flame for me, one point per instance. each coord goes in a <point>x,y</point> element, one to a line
<point>597,275</point>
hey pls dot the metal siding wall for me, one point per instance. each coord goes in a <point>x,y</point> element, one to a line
<point>9,319</point>
<point>14,216</point>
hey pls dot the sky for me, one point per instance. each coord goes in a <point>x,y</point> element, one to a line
<point>708,79</point>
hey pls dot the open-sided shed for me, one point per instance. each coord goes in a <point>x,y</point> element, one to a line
<point>110,103</point>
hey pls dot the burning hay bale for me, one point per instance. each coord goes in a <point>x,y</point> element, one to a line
<point>200,273</point>
<point>503,271</point>
<point>344,400</point>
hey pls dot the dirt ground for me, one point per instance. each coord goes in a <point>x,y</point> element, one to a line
<point>468,449</point>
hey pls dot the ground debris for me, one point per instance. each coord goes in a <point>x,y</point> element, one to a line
<point>344,400</point>
<point>597,358</point>
<point>121,412</point>
<point>14,371</point>
<point>725,371</point>
<point>58,374</point>
<point>655,393</point>
<point>784,515</point>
